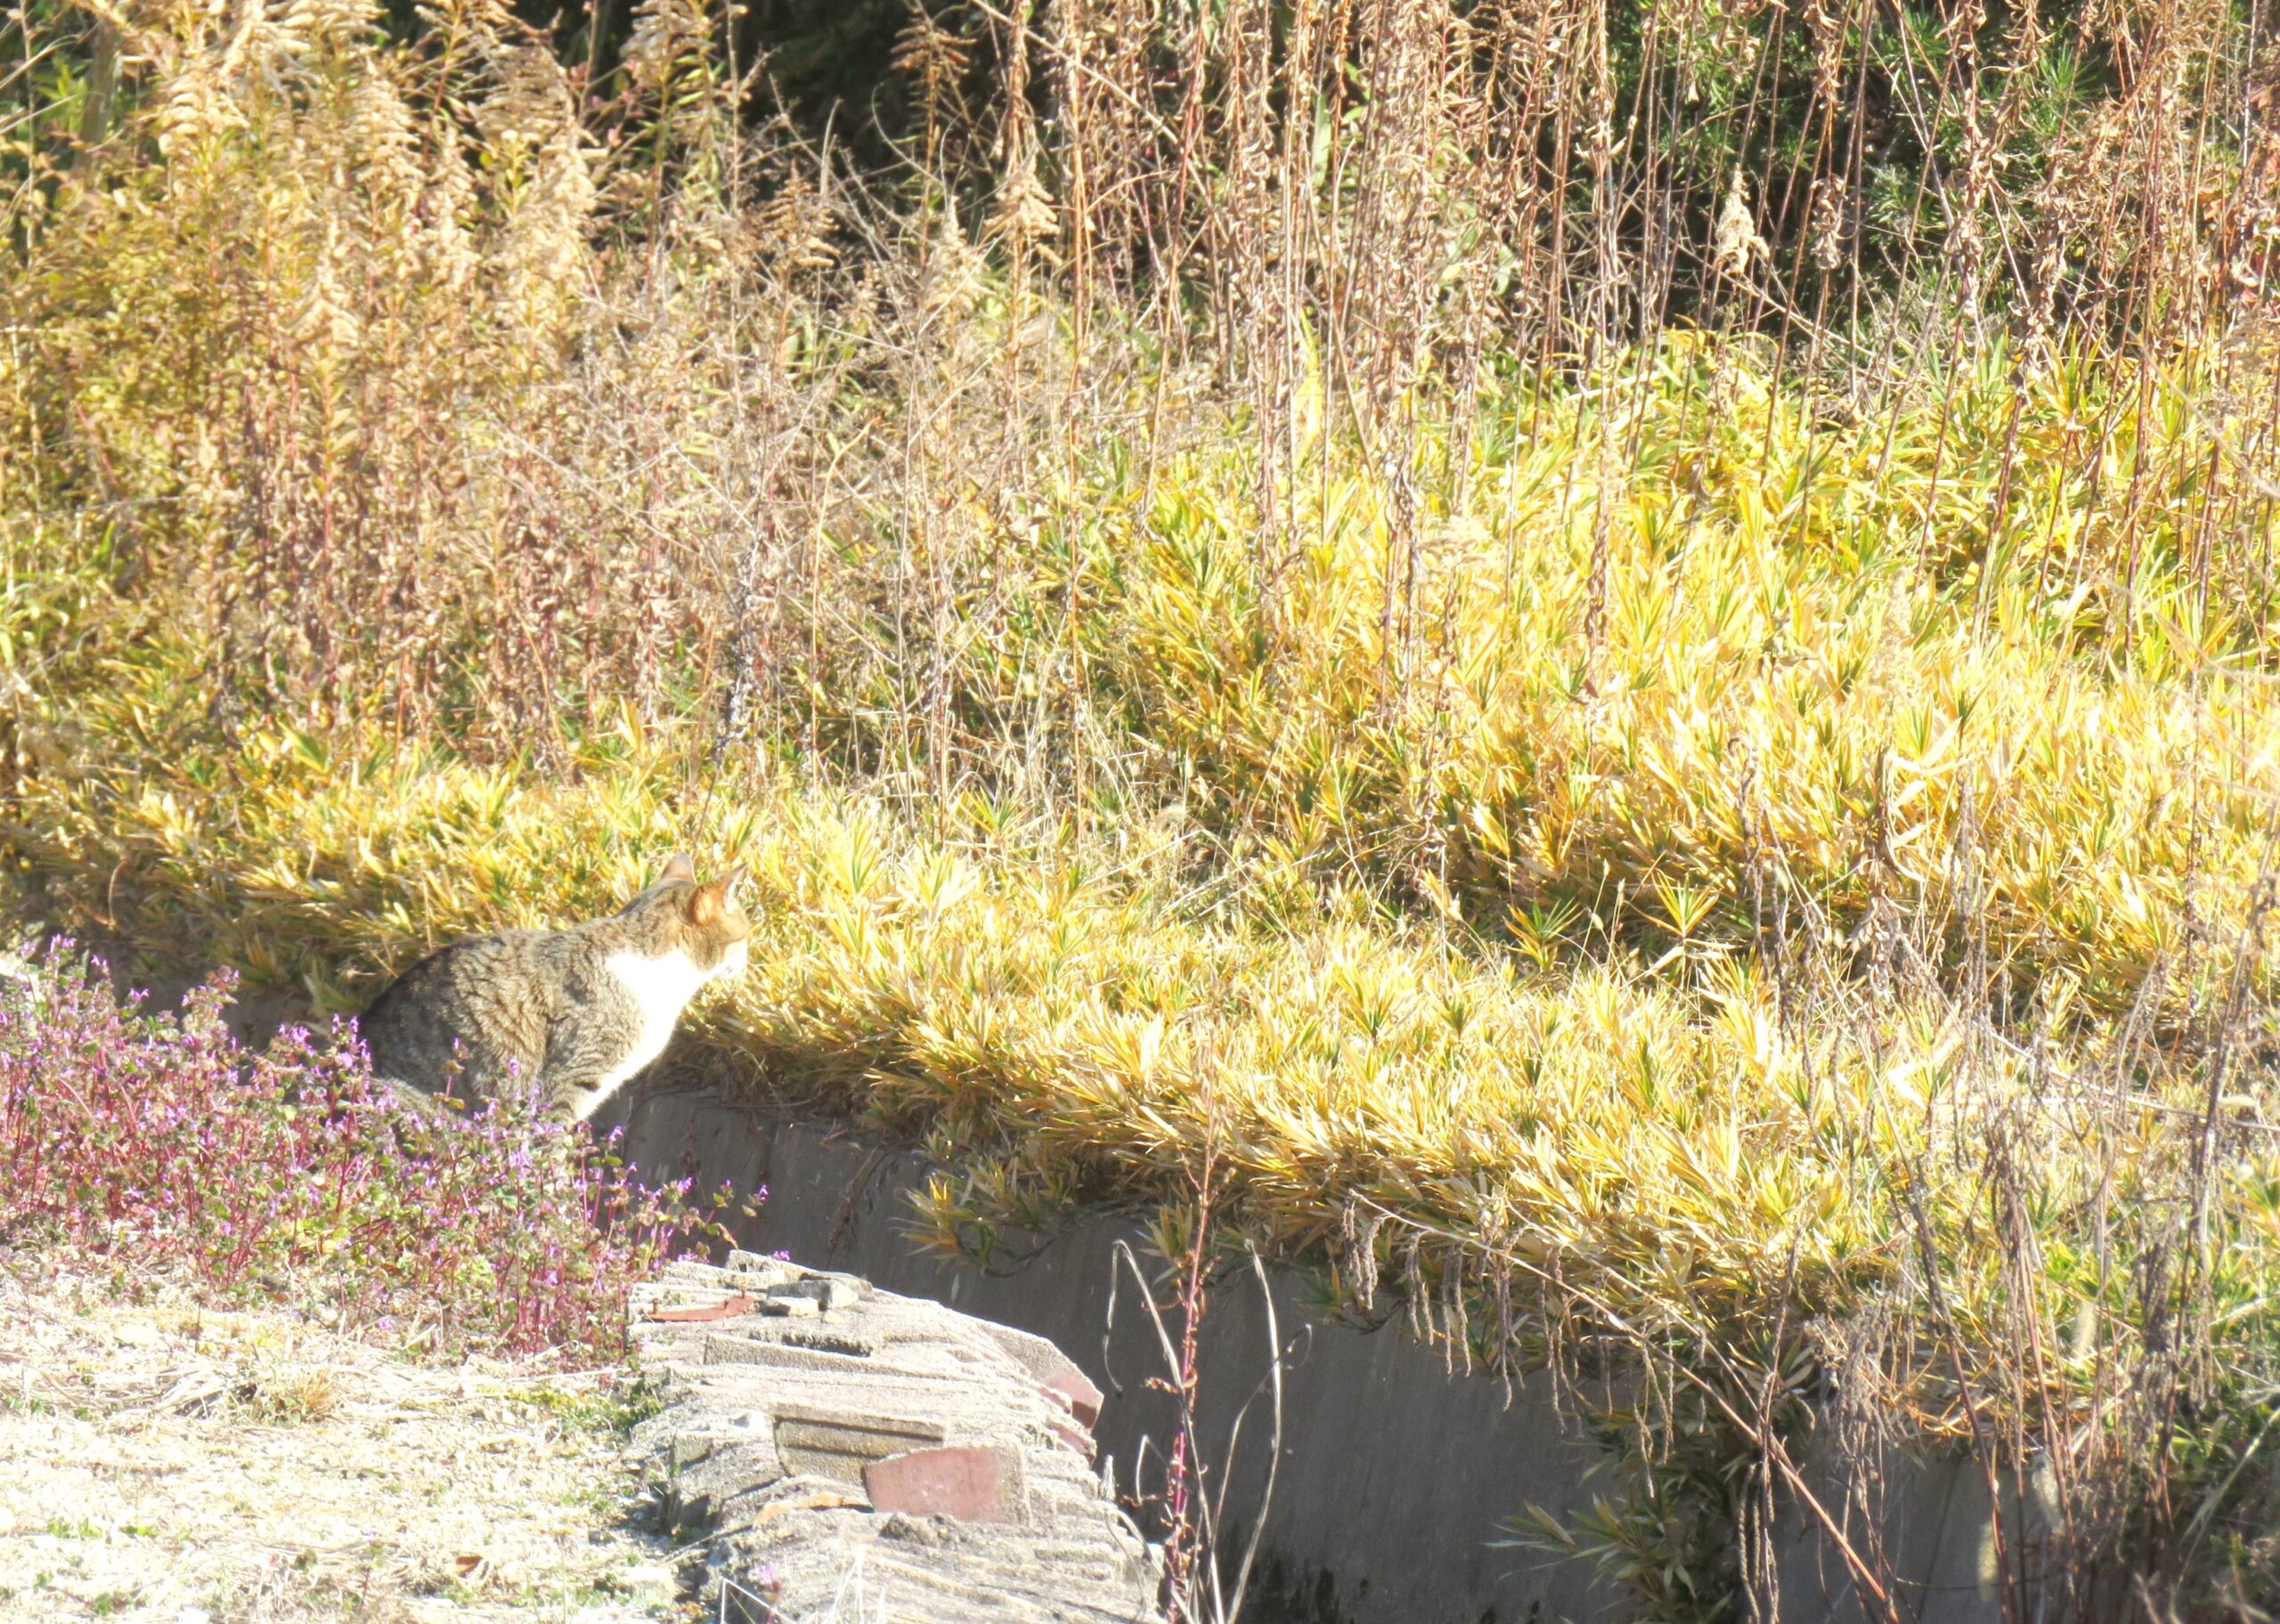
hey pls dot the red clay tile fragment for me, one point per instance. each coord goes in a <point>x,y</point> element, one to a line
<point>728,1310</point>
<point>968,1482</point>
<point>1084,1399</point>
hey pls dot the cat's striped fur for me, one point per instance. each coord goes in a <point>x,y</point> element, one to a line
<point>575,1013</point>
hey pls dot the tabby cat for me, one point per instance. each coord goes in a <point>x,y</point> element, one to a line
<point>576,1012</point>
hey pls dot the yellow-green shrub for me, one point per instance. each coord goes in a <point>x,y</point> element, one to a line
<point>1059,1033</point>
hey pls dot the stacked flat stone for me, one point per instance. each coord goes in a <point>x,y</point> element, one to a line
<point>855,1454</point>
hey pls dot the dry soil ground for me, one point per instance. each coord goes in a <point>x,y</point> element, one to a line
<point>169,1462</point>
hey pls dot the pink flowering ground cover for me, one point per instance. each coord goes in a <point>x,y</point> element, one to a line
<point>158,1138</point>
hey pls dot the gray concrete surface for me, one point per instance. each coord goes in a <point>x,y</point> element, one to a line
<point>1395,1480</point>
<point>1398,1478</point>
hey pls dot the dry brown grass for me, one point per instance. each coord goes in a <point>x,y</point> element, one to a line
<point>165,1455</point>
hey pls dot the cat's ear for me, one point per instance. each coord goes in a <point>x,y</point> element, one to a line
<point>679,867</point>
<point>710,900</point>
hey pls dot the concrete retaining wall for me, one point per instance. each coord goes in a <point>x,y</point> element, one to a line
<point>1397,1477</point>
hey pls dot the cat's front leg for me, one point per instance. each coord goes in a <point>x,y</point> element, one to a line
<point>578,1071</point>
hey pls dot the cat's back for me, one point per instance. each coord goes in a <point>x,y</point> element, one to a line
<point>483,1001</point>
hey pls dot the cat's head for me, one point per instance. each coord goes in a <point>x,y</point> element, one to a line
<point>705,920</point>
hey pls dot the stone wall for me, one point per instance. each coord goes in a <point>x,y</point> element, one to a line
<point>849,1453</point>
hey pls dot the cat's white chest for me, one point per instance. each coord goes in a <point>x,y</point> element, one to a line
<point>660,988</point>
